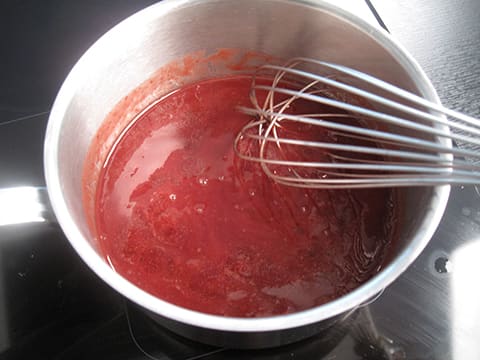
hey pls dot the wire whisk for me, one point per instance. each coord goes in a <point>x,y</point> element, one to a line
<point>322,125</point>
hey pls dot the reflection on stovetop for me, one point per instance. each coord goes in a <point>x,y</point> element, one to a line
<point>130,334</point>
<point>141,335</point>
<point>353,339</point>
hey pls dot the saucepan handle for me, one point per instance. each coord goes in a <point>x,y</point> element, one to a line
<point>25,204</point>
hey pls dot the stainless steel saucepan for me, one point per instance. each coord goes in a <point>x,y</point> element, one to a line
<point>134,50</point>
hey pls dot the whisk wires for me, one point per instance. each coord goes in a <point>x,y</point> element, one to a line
<point>322,125</point>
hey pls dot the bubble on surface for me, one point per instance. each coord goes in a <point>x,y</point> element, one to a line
<point>199,208</point>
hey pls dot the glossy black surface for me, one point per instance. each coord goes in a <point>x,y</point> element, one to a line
<point>53,307</point>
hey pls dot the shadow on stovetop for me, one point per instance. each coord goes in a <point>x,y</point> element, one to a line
<point>133,335</point>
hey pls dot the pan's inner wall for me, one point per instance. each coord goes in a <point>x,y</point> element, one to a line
<point>133,52</point>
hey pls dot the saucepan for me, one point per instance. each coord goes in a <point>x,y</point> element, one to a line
<point>133,51</point>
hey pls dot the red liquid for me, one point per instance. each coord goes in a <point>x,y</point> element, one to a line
<point>180,216</point>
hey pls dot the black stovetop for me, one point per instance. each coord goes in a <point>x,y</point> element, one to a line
<point>53,307</point>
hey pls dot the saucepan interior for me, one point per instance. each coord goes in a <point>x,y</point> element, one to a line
<point>132,52</point>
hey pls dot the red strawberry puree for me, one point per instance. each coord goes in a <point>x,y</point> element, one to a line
<point>180,216</point>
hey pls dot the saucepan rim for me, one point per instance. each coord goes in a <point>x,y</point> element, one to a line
<point>264,324</point>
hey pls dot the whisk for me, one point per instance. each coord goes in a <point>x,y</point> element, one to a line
<point>374,133</point>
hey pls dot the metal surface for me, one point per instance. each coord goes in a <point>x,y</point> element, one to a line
<point>171,30</point>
